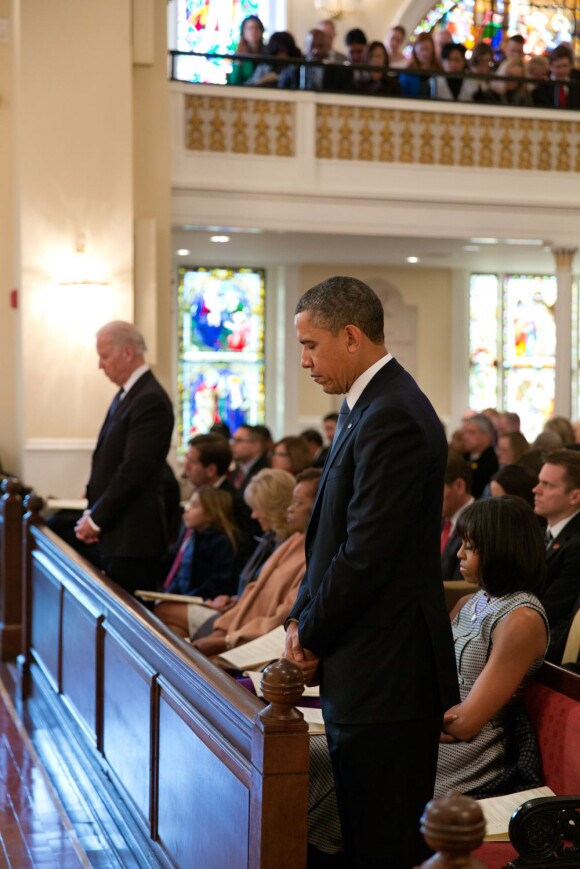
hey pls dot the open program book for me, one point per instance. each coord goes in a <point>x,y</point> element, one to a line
<point>257,653</point>
<point>497,811</point>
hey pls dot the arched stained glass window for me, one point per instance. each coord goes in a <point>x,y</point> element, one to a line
<point>212,26</point>
<point>544,24</point>
<point>221,349</point>
<point>512,345</point>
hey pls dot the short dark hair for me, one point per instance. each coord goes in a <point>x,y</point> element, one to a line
<point>213,450</point>
<point>312,436</point>
<point>457,469</point>
<point>309,475</point>
<point>452,46</point>
<point>356,36</point>
<point>340,301</point>
<point>561,51</point>
<point>401,30</point>
<point>330,417</point>
<point>517,37</point>
<point>516,480</point>
<point>506,534</point>
<point>482,49</point>
<point>570,461</point>
<point>262,432</point>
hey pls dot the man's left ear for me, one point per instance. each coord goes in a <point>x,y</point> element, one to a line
<point>575,497</point>
<point>353,338</point>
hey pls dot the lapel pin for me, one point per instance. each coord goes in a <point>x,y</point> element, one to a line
<point>349,425</point>
<point>555,546</point>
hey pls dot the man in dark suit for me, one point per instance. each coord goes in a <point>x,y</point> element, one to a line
<point>370,621</point>
<point>126,512</point>
<point>250,455</point>
<point>456,497</point>
<point>557,499</point>
<point>478,437</point>
<point>206,464</point>
<point>316,78</point>
<point>563,90</point>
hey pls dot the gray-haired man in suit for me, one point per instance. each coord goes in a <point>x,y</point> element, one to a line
<point>126,512</point>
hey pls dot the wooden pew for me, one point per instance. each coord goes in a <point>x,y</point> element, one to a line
<point>210,776</point>
<point>10,569</point>
<point>553,704</point>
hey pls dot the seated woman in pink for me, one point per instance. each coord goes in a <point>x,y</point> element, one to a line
<point>265,604</point>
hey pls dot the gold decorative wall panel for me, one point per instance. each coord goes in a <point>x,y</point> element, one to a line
<point>268,126</point>
<point>446,139</point>
<point>240,126</point>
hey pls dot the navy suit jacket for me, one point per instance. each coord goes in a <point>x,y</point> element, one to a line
<point>212,569</point>
<point>125,491</point>
<point>449,560</point>
<point>371,604</point>
<point>546,94</point>
<point>563,585</point>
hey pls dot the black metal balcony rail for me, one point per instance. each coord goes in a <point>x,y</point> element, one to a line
<point>573,84</point>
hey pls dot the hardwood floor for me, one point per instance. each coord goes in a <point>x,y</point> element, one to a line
<point>51,814</point>
<point>34,829</point>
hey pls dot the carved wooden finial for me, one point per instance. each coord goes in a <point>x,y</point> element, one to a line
<point>10,487</point>
<point>33,504</point>
<point>453,826</point>
<point>282,686</point>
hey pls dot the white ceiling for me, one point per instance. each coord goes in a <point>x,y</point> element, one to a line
<point>258,248</point>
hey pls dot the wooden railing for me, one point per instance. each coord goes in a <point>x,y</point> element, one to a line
<point>10,569</point>
<point>210,776</point>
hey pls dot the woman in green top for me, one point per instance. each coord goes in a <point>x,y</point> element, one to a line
<point>251,42</point>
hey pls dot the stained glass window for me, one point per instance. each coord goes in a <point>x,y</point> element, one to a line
<point>521,325</point>
<point>221,349</point>
<point>542,23</point>
<point>483,341</point>
<point>212,26</point>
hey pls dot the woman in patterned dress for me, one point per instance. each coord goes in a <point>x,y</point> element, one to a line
<point>501,636</point>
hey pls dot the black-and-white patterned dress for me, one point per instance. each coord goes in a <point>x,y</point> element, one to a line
<point>474,766</point>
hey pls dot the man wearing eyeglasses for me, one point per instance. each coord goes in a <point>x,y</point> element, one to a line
<point>250,455</point>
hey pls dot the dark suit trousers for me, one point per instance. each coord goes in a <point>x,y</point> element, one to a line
<point>133,573</point>
<point>384,775</point>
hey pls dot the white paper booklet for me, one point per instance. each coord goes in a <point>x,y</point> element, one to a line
<point>257,653</point>
<point>497,811</point>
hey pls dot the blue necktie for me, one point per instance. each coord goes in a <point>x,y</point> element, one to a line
<point>342,416</point>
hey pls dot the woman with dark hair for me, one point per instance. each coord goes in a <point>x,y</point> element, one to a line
<point>453,86</point>
<point>501,636</point>
<point>513,480</point>
<point>280,46</point>
<point>251,42</point>
<point>379,81</point>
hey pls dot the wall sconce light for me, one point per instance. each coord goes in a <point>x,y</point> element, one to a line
<point>336,9</point>
<point>80,271</point>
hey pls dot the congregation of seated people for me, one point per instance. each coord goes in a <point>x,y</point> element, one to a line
<point>432,65</point>
<point>510,530</point>
<point>490,457</point>
<point>236,540</point>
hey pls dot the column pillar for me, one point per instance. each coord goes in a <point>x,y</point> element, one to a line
<point>563,258</point>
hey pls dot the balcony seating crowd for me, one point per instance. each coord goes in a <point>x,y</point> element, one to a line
<point>433,66</point>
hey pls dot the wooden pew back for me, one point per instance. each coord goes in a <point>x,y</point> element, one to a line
<point>10,569</point>
<point>208,778</point>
